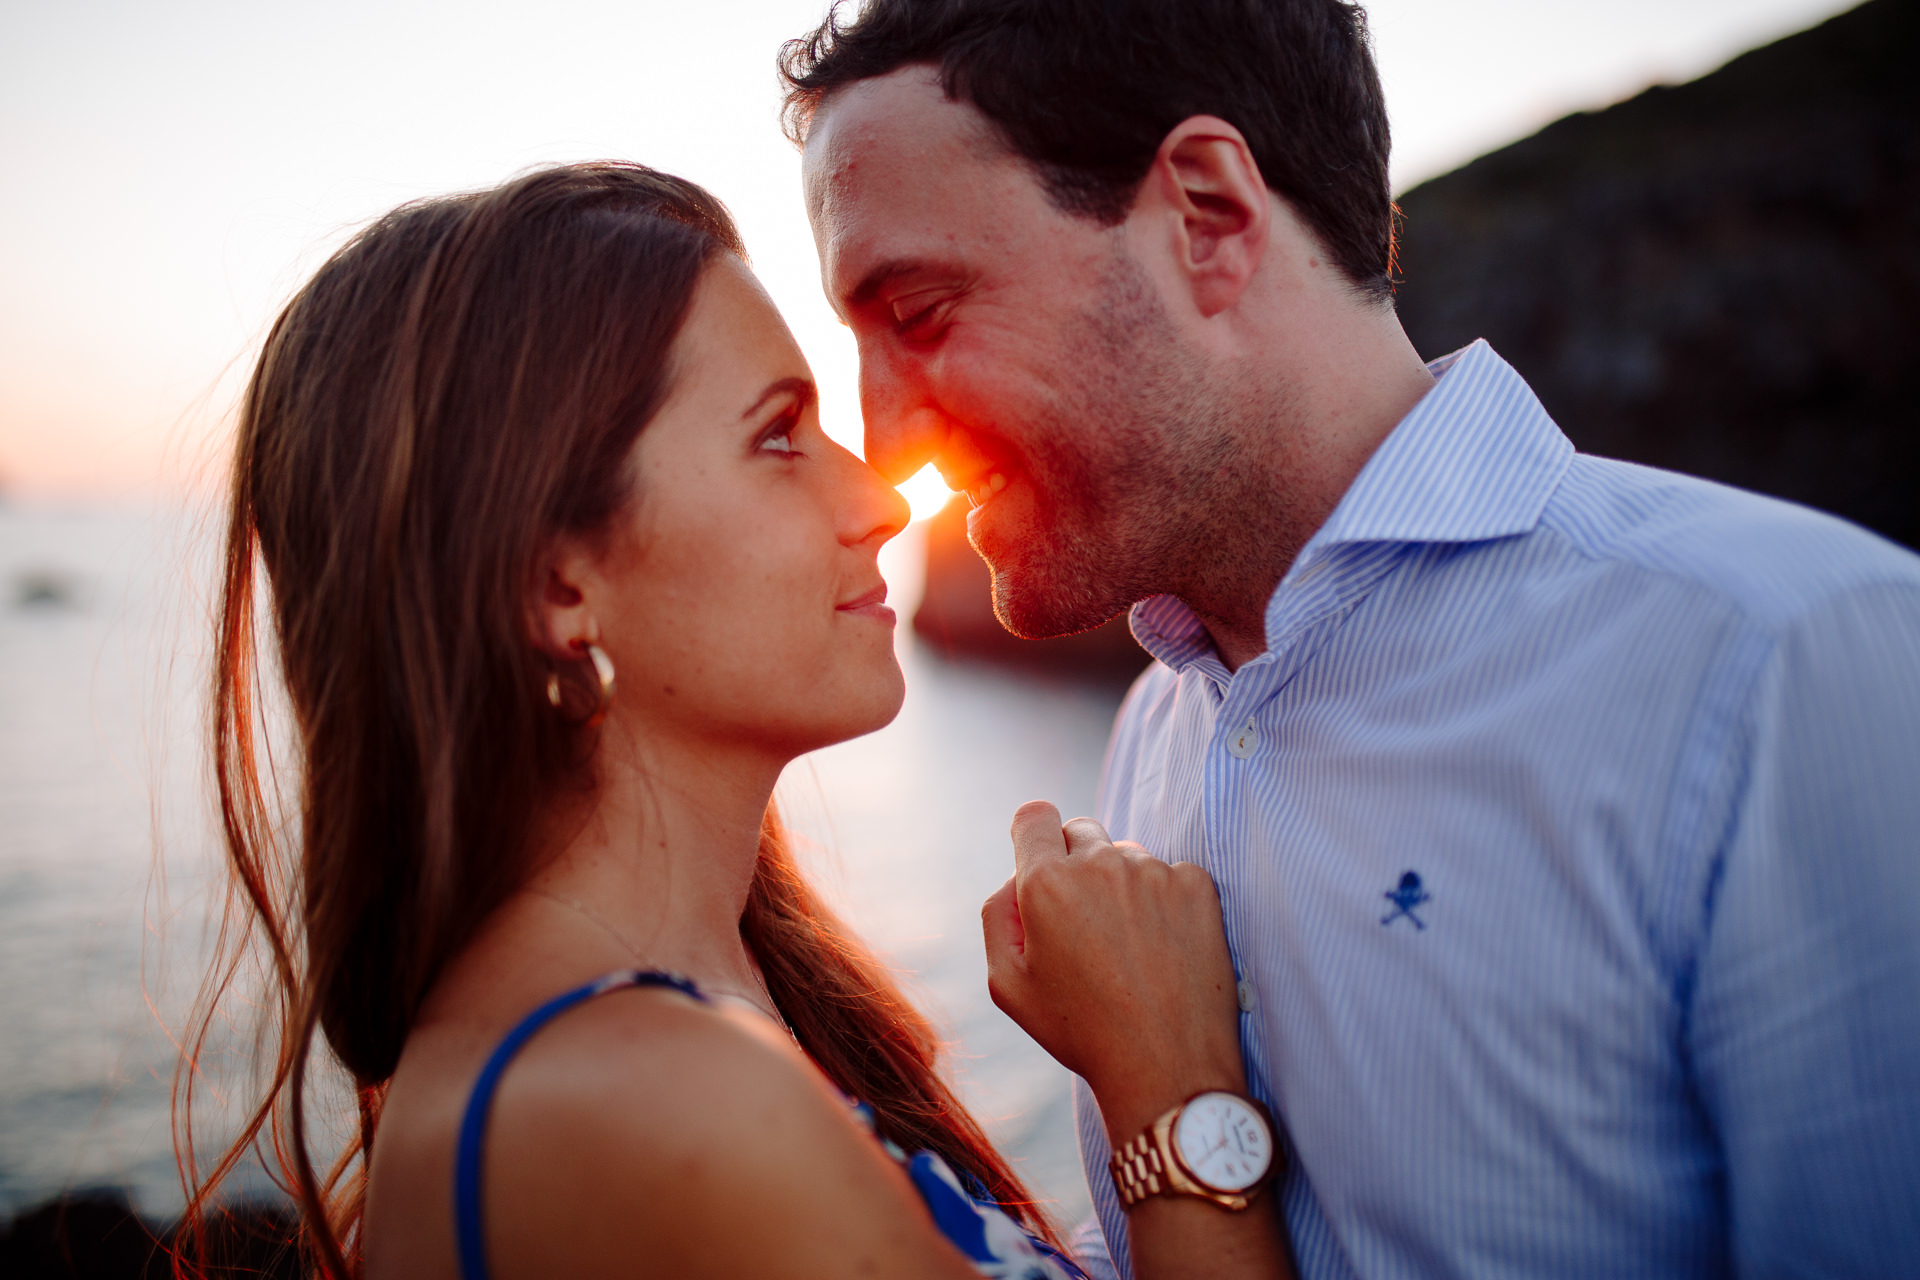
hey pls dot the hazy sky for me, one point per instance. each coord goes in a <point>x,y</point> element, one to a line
<point>177,168</point>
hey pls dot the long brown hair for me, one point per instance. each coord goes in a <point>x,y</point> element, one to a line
<point>456,387</point>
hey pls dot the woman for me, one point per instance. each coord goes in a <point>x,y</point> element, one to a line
<point>560,572</point>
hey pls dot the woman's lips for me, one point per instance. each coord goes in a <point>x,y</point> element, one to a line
<point>873,604</point>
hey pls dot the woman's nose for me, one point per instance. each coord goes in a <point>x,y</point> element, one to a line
<point>872,508</point>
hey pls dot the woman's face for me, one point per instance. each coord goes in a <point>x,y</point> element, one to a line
<point>739,596</point>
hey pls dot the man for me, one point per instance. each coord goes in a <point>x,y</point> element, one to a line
<point>1565,814</point>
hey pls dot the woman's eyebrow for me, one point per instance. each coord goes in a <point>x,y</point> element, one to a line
<point>800,387</point>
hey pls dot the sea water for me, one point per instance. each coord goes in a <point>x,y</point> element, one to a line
<point>107,864</point>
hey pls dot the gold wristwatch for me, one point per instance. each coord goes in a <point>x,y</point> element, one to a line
<point>1216,1145</point>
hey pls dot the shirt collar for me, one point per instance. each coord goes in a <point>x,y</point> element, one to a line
<point>1476,459</point>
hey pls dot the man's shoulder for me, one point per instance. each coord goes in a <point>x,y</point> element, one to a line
<point>1769,560</point>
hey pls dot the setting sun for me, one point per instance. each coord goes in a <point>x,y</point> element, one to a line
<point>925,491</point>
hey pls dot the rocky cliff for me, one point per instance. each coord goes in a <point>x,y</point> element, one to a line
<point>1721,277</point>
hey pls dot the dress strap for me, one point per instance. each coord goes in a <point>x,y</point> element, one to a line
<point>473,1126</point>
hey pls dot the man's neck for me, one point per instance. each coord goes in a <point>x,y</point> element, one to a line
<point>1346,387</point>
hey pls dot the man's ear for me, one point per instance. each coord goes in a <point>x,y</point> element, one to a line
<point>561,604</point>
<point>1205,177</point>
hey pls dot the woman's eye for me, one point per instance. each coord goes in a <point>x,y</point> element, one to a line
<point>780,441</point>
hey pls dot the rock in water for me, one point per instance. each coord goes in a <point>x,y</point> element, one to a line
<point>96,1234</point>
<point>1721,278</point>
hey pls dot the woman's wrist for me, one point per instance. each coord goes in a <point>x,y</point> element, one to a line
<point>1133,1097</point>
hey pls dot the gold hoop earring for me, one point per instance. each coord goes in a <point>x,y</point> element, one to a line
<point>602,666</point>
<point>603,681</point>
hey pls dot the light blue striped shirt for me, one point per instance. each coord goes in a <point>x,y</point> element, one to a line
<point>1569,839</point>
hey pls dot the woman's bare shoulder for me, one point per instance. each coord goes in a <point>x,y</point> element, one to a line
<point>699,1137</point>
<point>640,1040</point>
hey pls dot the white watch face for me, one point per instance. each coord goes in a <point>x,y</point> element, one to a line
<point>1223,1142</point>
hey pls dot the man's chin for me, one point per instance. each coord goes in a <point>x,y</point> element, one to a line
<point>1036,607</point>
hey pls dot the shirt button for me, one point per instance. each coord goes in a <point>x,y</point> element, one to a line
<point>1243,742</point>
<point>1244,990</point>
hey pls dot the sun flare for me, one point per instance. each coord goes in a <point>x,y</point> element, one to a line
<point>925,492</point>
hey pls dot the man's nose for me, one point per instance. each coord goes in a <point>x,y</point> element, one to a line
<point>903,431</point>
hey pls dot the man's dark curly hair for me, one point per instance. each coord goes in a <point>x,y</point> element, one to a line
<point>1086,90</point>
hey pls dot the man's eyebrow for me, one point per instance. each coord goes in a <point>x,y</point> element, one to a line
<point>803,388</point>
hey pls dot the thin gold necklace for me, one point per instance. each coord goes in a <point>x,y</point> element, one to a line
<point>771,1009</point>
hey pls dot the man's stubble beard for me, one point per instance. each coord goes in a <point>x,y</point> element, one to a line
<point>1141,474</point>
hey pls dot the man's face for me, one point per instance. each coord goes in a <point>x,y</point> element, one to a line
<point>1025,351</point>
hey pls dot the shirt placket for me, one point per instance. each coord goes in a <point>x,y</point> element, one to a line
<point>1235,750</point>
<point>1332,585</point>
